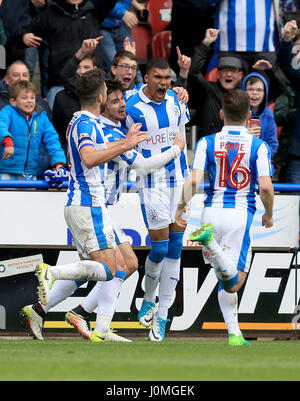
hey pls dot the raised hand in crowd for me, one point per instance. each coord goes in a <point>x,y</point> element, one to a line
<point>184,63</point>
<point>262,65</point>
<point>88,46</point>
<point>128,46</point>
<point>211,35</point>
<point>289,30</point>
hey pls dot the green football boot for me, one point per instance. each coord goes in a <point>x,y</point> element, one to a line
<point>237,340</point>
<point>204,235</point>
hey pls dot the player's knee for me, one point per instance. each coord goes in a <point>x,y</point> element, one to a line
<point>175,245</point>
<point>110,271</point>
<point>159,250</point>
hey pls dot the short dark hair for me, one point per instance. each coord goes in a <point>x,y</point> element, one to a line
<point>158,62</point>
<point>15,88</point>
<point>113,85</point>
<point>236,105</point>
<point>90,56</point>
<point>122,54</point>
<point>252,80</point>
<point>89,85</point>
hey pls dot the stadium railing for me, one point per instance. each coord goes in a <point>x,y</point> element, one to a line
<point>128,186</point>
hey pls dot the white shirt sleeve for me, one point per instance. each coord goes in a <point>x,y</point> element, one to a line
<point>263,162</point>
<point>199,161</point>
<point>147,165</point>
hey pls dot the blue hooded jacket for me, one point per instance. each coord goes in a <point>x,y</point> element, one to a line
<point>266,117</point>
<point>114,19</point>
<point>27,137</point>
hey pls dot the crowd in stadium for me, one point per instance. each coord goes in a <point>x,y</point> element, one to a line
<point>212,46</point>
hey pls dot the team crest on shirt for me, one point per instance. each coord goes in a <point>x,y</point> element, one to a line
<point>176,110</point>
<point>152,215</point>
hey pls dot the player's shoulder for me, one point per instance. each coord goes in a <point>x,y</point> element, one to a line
<point>87,123</point>
<point>132,101</point>
<point>112,133</point>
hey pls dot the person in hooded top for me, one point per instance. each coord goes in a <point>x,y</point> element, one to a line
<point>257,88</point>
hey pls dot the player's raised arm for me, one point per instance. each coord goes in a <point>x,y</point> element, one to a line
<point>148,165</point>
<point>93,157</point>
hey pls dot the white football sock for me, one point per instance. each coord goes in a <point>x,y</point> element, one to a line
<point>85,270</point>
<point>167,287</point>
<point>60,290</point>
<point>107,302</point>
<point>229,306</point>
<point>90,302</point>
<point>152,275</point>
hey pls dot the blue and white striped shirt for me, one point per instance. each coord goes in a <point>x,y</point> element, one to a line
<point>116,170</point>
<point>245,25</point>
<point>234,159</point>
<point>161,121</point>
<point>86,185</point>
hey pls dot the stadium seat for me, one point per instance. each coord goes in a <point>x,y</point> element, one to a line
<point>159,14</point>
<point>142,36</point>
<point>279,129</point>
<point>272,106</point>
<point>212,75</point>
<point>161,44</point>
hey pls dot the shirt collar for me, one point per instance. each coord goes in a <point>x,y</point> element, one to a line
<point>234,128</point>
<point>105,120</point>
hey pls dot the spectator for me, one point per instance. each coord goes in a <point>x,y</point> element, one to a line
<point>23,127</point>
<point>284,113</point>
<point>289,60</point>
<point>41,53</point>
<point>257,88</point>
<point>16,71</point>
<point>66,102</point>
<point>14,15</point>
<point>64,24</point>
<point>206,97</point>
<point>115,28</point>
<point>289,10</point>
<point>248,32</point>
<point>200,16</point>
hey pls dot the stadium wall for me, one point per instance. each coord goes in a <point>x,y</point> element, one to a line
<point>34,231</point>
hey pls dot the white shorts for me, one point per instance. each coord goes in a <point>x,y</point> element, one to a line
<point>159,206</point>
<point>232,230</point>
<point>120,236</point>
<point>91,227</point>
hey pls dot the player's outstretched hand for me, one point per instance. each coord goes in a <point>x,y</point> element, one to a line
<point>135,136</point>
<point>179,140</point>
<point>267,221</point>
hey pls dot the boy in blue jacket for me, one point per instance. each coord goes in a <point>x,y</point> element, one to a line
<point>257,87</point>
<point>23,127</point>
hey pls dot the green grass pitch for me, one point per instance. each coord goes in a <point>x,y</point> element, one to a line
<point>174,359</point>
